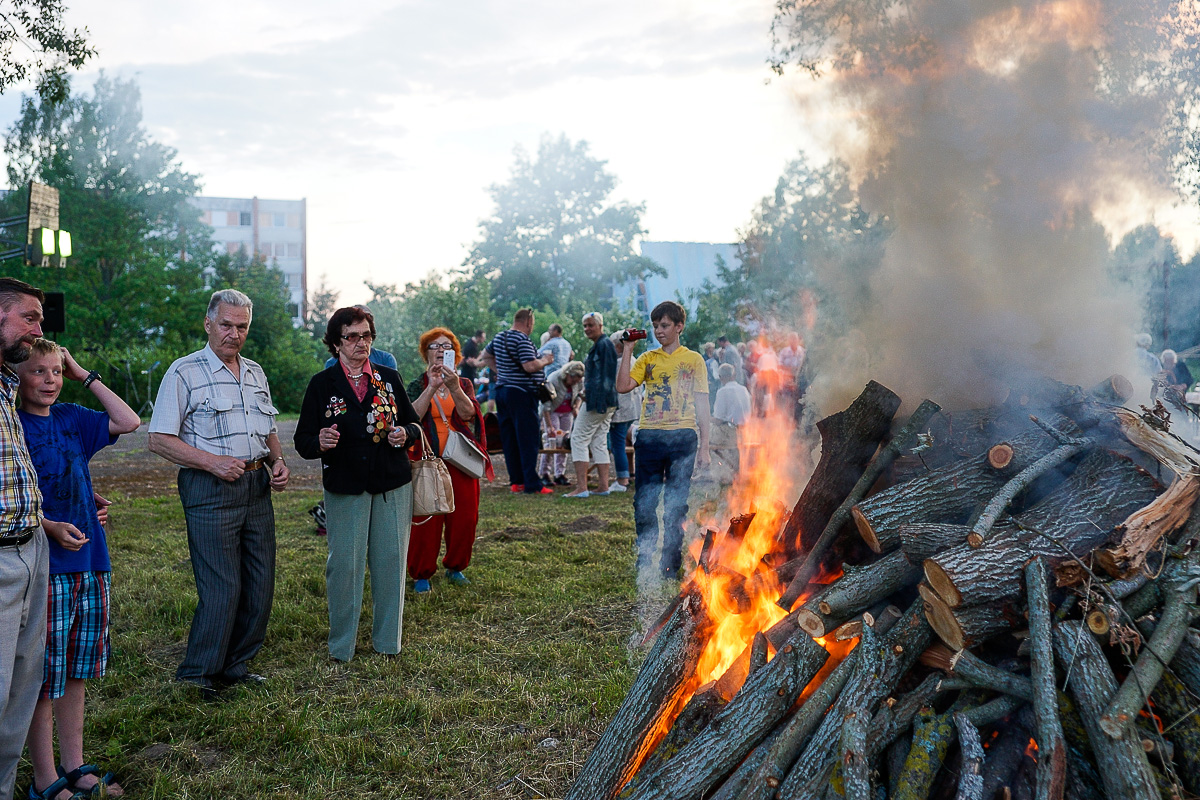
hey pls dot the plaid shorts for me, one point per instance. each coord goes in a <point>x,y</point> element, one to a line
<point>77,643</point>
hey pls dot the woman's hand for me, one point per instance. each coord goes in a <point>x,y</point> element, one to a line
<point>436,374</point>
<point>327,438</point>
<point>397,437</point>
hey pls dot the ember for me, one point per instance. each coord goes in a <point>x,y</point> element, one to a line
<point>779,673</point>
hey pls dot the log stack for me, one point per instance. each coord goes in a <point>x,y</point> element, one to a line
<point>1018,585</point>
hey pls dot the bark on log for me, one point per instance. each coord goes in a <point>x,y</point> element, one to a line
<point>816,554</point>
<point>1052,752</point>
<point>964,628</point>
<point>932,734</point>
<point>701,707</point>
<point>1122,763</point>
<point>985,676</point>
<point>1077,517</point>
<point>954,436</point>
<point>1182,722</point>
<point>739,726</point>
<point>625,742</point>
<point>949,494</point>
<point>859,588</point>
<point>922,540</point>
<point>970,779</point>
<point>1178,612</point>
<point>1146,527</point>
<point>849,439</point>
<point>856,769</point>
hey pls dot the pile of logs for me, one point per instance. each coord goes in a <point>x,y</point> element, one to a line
<point>1018,583</point>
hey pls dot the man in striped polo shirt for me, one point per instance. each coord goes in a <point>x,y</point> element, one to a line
<point>518,369</point>
<point>24,554</point>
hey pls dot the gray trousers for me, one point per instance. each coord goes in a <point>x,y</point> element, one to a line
<point>366,530</point>
<point>24,575</point>
<point>231,538</point>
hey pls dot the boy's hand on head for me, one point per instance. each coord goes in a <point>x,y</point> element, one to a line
<point>67,535</point>
<point>71,368</point>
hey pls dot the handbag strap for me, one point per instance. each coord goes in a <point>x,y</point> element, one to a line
<point>426,448</point>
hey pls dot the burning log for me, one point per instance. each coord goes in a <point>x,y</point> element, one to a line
<point>848,441</point>
<point>859,588</point>
<point>627,740</point>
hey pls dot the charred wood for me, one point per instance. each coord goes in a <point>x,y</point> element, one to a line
<point>1006,752</point>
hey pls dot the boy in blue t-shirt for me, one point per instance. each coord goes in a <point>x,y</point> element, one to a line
<point>62,439</point>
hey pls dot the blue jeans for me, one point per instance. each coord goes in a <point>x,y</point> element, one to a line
<point>617,434</point>
<point>664,460</point>
<point>520,435</point>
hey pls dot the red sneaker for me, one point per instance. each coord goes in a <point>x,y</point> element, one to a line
<point>516,487</point>
<point>546,490</point>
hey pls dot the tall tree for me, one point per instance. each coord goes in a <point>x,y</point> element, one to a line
<point>140,248</point>
<point>321,305</point>
<point>34,41</point>
<point>555,238</point>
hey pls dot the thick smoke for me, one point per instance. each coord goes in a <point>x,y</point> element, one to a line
<point>990,138</point>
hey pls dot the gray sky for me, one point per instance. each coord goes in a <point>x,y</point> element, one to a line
<point>393,118</point>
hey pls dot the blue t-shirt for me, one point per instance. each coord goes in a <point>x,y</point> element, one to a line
<point>61,445</point>
<point>562,354</point>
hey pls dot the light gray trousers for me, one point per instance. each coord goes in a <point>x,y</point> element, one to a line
<point>24,575</point>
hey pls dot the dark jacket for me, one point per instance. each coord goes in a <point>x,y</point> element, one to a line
<point>600,376</point>
<point>362,460</point>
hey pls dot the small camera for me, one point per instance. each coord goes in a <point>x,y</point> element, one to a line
<point>633,334</point>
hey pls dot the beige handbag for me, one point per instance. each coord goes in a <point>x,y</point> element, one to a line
<point>460,451</point>
<point>433,493</point>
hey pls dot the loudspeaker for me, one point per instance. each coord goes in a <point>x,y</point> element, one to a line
<point>54,316</point>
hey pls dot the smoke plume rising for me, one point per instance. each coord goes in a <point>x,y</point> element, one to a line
<point>990,133</point>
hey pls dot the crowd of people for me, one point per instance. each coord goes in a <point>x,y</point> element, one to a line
<point>559,418</point>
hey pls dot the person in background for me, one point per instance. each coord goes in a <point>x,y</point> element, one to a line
<point>589,435</point>
<point>672,434</point>
<point>629,408</point>
<point>1176,375</point>
<point>24,553</point>
<point>1147,361</point>
<point>62,438</point>
<point>791,361</point>
<point>556,345</point>
<point>729,354</point>
<point>357,418</point>
<point>558,416</point>
<point>732,408</point>
<point>380,357</point>
<point>470,364</point>
<point>445,403</point>
<point>215,419</point>
<point>518,370</point>
<point>710,360</point>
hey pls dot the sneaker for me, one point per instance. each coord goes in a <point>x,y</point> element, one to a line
<point>457,578</point>
<point>422,586</point>
<point>516,487</point>
<point>561,480</point>
<point>618,488</point>
<point>544,490</point>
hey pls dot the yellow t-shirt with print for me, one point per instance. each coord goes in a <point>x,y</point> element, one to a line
<point>671,384</point>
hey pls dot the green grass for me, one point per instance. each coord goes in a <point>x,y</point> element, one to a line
<point>535,649</point>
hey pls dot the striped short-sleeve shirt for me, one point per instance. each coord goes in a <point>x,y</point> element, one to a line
<point>511,349</point>
<point>203,403</point>
<point>20,500</point>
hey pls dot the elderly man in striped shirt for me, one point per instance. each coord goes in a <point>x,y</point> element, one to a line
<point>24,555</point>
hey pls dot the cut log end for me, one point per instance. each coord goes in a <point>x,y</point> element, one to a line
<point>1116,389</point>
<point>1098,622</point>
<point>942,584</point>
<point>941,619</point>
<point>811,623</point>
<point>1000,456</point>
<point>975,539</point>
<point>865,530</point>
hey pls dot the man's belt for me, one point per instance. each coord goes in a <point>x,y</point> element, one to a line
<point>257,463</point>
<point>19,538</point>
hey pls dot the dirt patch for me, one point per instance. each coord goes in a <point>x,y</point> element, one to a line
<point>586,524</point>
<point>513,533</point>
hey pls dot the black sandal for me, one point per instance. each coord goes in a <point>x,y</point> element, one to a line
<point>51,791</point>
<point>72,778</point>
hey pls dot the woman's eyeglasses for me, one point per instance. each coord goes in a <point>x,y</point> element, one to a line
<point>354,338</point>
<point>436,346</point>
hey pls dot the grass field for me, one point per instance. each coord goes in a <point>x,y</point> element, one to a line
<point>500,690</point>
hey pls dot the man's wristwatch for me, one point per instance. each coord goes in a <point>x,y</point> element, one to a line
<point>91,378</point>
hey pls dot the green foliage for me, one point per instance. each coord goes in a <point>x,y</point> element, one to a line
<point>555,236</point>
<point>321,305</point>
<point>402,315</point>
<point>288,355</point>
<point>1149,263</point>
<point>34,41</point>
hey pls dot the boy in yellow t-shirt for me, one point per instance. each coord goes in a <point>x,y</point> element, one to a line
<point>672,434</point>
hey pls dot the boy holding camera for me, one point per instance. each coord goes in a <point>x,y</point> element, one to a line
<point>62,438</point>
<point>672,434</point>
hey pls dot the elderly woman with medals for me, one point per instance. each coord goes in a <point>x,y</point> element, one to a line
<point>358,420</point>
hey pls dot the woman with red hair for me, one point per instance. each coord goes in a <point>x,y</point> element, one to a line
<point>445,402</point>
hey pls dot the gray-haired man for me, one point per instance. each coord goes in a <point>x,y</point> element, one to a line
<point>215,419</point>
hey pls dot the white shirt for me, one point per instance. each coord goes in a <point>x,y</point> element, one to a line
<point>732,404</point>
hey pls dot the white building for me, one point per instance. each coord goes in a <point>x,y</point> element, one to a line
<point>275,229</point>
<point>688,266</point>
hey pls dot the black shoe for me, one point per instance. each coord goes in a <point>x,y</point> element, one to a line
<point>248,679</point>
<point>561,480</point>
